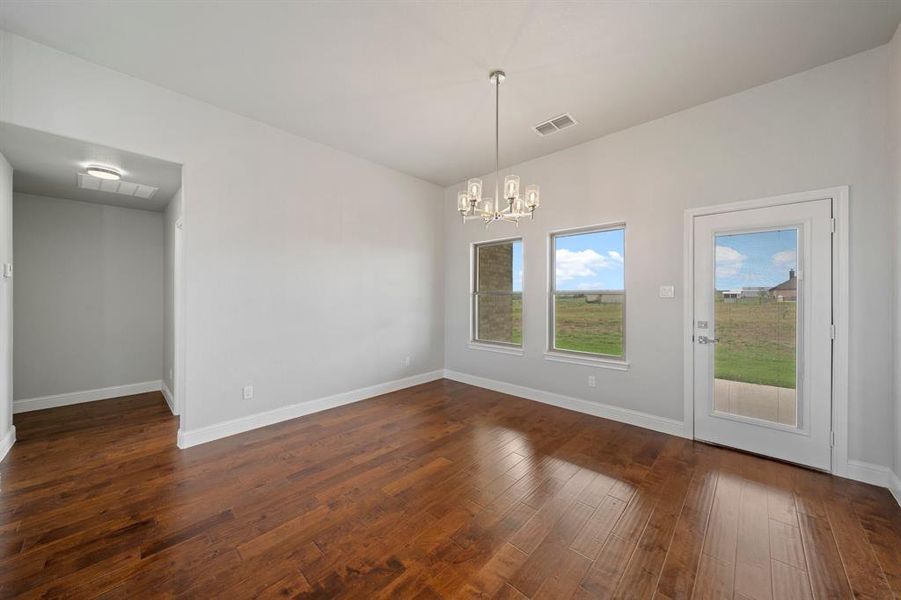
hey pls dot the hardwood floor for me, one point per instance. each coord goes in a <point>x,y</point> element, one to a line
<point>441,490</point>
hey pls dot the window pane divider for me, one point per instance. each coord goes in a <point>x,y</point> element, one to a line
<point>587,292</point>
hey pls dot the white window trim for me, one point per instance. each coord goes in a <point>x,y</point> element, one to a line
<point>498,348</point>
<point>609,361</point>
<point>477,344</point>
<point>586,359</point>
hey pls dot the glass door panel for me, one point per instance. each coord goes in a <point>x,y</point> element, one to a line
<point>755,301</point>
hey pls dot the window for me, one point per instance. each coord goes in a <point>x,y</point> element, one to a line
<point>588,292</point>
<point>497,293</point>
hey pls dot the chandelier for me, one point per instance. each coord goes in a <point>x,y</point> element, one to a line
<point>473,206</point>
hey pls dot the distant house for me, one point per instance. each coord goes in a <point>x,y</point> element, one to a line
<point>744,292</point>
<point>787,291</point>
<point>754,292</point>
<point>606,297</point>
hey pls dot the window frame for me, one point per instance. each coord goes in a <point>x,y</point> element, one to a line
<point>474,341</point>
<point>553,353</point>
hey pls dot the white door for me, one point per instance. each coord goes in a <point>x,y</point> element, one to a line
<point>762,331</point>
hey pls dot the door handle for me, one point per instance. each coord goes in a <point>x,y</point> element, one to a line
<point>703,339</point>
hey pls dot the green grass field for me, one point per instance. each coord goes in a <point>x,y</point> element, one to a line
<point>756,336</point>
<point>589,327</point>
<point>582,326</point>
<point>756,341</point>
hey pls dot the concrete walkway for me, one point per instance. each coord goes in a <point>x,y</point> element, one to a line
<point>772,403</point>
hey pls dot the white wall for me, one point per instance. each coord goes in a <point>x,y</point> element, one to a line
<point>170,218</point>
<point>88,296</point>
<point>6,305</point>
<point>821,128</point>
<point>309,271</point>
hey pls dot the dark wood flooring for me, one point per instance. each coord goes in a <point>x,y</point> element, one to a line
<point>441,490</point>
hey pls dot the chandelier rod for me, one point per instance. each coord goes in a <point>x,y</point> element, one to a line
<point>497,142</point>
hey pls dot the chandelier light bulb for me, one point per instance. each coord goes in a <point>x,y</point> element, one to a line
<point>462,202</point>
<point>533,198</point>
<point>475,189</point>
<point>511,187</point>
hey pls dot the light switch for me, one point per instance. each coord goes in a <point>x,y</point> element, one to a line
<point>7,270</point>
<point>667,291</point>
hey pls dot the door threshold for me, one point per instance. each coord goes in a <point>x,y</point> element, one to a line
<point>755,454</point>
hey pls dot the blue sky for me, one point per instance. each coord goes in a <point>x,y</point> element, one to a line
<point>755,259</point>
<point>517,266</point>
<point>590,261</point>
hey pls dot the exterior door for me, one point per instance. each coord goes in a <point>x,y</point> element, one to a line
<point>763,331</point>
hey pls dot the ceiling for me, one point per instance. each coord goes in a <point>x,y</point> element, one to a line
<point>405,84</point>
<point>48,165</point>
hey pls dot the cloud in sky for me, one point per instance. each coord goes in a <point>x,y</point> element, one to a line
<point>572,264</point>
<point>786,258</point>
<point>729,261</point>
<point>755,259</point>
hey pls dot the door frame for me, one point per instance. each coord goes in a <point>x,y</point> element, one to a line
<point>178,302</point>
<point>840,307</point>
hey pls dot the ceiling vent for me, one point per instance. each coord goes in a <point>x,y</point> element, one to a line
<point>554,125</point>
<point>126,188</point>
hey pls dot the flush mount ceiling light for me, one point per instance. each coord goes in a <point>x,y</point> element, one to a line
<point>470,203</point>
<point>102,172</point>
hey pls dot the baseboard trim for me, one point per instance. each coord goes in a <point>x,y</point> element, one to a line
<point>868,472</point>
<point>597,409</point>
<point>875,475</point>
<point>895,487</point>
<point>202,435</point>
<point>170,398</point>
<point>7,442</point>
<point>42,402</point>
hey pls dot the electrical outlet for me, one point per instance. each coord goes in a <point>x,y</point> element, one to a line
<point>248,392</point>
<point>592,382</point>
<point>170,374</point>
<point>407,361</point>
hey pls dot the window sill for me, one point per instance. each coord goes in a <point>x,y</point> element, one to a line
<point>587,361</point>
<point>511,350</point>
